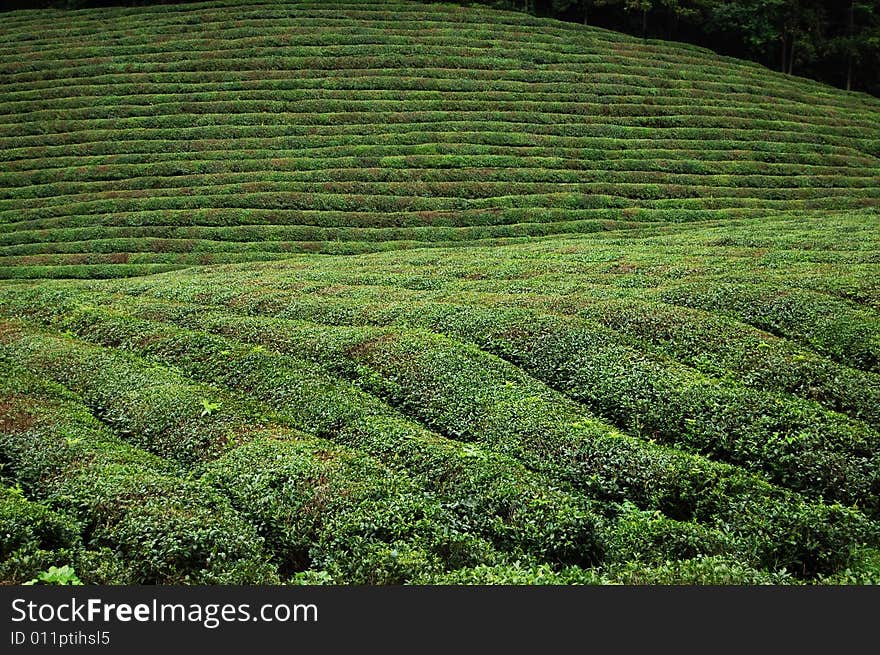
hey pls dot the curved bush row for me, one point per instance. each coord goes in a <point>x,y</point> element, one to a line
<point>163,529</point>
<point>450,177</point>
<point>454,395</point>
<point>604,124</point>
<point>555,524</point>
<point>462,184</point>
<point>795,443</point>
<point>263,222</point>
<point>314,506</point>
<point>277,98</point>
<point>725,348</point>
<point>36,538</point>
<point>519,511</point>
<point>608,465</point>
<point>197,98</point>
<point>341,513</point>
<point>344,241</point>
<point>832,327</point>
<point>266,384</point>
<point>641,264</point>
<point>378,196</point>
<point>634,84</point>
<point>314,112</point>
<point>169,260</point>
<point>29,525</point>
<point>314,503</point>
<point>335,509</point>
<point>471,139</point>
<point>675,132</point>
<point>474,163</point>
<point>608,196</point>
<point>375,132</point>
<point>315,60</point>
<point>488,494</point>
<point>527,54</point>
<point>154,409</point>
<point>84,271</point>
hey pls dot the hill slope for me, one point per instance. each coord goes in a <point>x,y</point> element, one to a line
<point>135,140</point>
<point>667,405</point>
<point>678,382</point>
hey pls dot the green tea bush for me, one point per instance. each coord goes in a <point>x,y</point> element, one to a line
<point>152,408</point>
<point>494,494</point>
<point>476,113</point>
<point>607,311</point>
<point>29,526</point>
<point>323,507</point>
<point>517,574</point>
<point>844,333</point>
<point>166,529</point>
<point>677,484</point>
<point>724,348</point>
<point>711,570</point>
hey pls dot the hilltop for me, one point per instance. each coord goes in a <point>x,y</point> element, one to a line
<point>139,140</point>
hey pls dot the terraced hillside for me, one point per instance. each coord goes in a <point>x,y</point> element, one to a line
<point>664,405</point>
<point>136,140</point>
<point>643,347</point>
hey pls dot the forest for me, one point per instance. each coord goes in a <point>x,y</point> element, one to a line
<point>834,41</point>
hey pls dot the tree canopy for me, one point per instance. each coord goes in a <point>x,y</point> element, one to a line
<point>834,41</point>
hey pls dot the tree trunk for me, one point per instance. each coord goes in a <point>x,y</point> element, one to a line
<point>586,6</point>
<point>849,71</point>
<point>644,24</point>
<point>791,55</point>
<point>851,31</point>
<point>784,50</point>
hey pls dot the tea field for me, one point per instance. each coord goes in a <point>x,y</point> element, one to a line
<point>400,293</point>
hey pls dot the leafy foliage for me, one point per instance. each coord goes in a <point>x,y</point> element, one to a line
<point>487,127</point>
<point>57,575</point>
<point>463,415</point>
<point>642,347</point>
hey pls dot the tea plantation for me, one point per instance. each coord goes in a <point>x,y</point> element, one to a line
<point>399,293</point>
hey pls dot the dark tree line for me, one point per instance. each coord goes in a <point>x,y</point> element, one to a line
<point>834,41</point>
